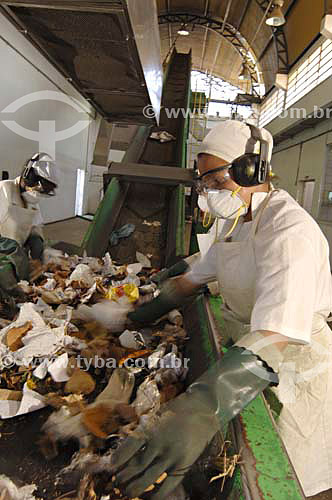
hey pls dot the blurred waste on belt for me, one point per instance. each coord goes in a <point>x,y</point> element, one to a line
<point>70,347</point>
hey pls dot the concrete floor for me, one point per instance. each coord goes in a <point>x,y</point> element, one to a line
<point>71,230</point>
<point>326,495</point>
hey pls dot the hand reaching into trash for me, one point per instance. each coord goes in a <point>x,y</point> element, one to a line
<point>188,424</point>
<point>172,445</point>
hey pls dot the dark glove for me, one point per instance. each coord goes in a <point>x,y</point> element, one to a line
<point>175,270</point>
<point>168,299</point>
<point>176,440</point>
<point>35,244</point>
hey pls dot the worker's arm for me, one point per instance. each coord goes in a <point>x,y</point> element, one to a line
<point>35,245</point>
<point>172,295</point>
<point>187,424</point>
<point>175,291</point>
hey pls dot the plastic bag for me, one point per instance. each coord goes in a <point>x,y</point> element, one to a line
<point>128,290</point>
<point>112,315</point>
<point>123,232</point>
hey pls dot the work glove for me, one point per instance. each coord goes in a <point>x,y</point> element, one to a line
<point>175,270</point>
<point>174,441</point>
<point>168,299</point>
<point>35,244</point>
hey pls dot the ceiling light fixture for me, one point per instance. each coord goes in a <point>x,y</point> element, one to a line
<point>276,17</point>
<point>245,73</point>
<point>183,31</point>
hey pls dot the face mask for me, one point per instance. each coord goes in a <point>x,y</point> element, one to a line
<point>226,204</point>
<point>202,203</point>
<point>30,196</point>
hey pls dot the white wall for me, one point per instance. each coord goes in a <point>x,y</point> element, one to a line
<point>23,71</point>
<point>305,155</point>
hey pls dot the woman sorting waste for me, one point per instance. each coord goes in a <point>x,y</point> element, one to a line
<point>21,222</point>
<point>272,264</point>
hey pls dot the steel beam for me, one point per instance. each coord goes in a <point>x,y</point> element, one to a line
<point>151,174</point>
<point>227,30</point>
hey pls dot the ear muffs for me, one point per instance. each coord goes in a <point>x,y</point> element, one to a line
<point>247,170</point>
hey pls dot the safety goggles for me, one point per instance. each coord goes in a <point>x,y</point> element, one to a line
<point>209,182</point>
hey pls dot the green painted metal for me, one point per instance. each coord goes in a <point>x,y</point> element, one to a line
<point>96,239</point>
<point>275,474</point>
<point>180,190</point>
<point>237,490</point>
<point>101,221</point>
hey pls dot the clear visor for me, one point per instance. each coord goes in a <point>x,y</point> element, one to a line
<point>46,170</point>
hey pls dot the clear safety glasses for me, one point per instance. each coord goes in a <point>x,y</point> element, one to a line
<point>211,182</point>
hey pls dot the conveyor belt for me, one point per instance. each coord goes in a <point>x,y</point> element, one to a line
<point>156,211</point>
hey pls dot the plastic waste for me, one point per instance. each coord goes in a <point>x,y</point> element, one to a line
<point>143,259</point>
<point>147,398</point>
<point>83,275</point>
<point>123,232</point>
<point>127,290</point>
<point>131,340</point>
<point>112,315</point>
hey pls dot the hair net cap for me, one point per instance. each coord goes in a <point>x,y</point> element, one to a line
<point>228,140</point>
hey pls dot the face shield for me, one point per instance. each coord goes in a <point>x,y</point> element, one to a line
<point>39,175</point>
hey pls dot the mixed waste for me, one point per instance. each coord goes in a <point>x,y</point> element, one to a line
<point>71,348</point>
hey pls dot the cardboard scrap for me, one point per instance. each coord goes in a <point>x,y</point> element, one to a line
<point>15,335</point>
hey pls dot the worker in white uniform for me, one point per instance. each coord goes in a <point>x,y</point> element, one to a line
<point>21,222</point>
<point>205,240</point>
<point>272,265</point>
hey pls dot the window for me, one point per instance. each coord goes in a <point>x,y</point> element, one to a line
<point>309,73</point>
<point>325,210</point>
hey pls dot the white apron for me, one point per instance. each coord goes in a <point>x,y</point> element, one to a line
<point>305,422</point>
<point>18,223</point>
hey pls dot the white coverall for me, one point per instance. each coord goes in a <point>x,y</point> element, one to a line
<point>18,220</point>
<point>275,275</point>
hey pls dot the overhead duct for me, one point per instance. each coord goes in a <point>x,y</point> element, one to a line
<point>109,50</point>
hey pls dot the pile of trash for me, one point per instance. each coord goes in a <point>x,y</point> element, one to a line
<point>71,348</point>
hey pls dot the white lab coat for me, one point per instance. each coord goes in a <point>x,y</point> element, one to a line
<point>275,275</point>
<point>18,219</point>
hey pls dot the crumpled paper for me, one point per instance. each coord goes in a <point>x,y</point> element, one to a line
<point>9,491</point>
<point>31,401</point>
<point>162,136</point>
<point>40,341</point>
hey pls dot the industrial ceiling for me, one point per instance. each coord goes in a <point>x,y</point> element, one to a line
<point>218,28</point>
<point>110,50</point>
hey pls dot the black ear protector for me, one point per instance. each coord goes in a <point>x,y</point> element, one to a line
<point>252,169</point>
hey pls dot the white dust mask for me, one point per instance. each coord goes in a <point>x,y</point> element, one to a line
<point>202,202</point>
<point>30,196</point>
<point>226,204</point>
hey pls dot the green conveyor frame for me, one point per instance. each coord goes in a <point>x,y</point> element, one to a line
<point>265,472</point>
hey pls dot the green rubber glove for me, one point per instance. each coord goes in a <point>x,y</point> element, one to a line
<point>168,299</point>
<point>176,439</point>
<point>175,270</point>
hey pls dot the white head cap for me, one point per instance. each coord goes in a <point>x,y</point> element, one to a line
<point>228,140</point>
